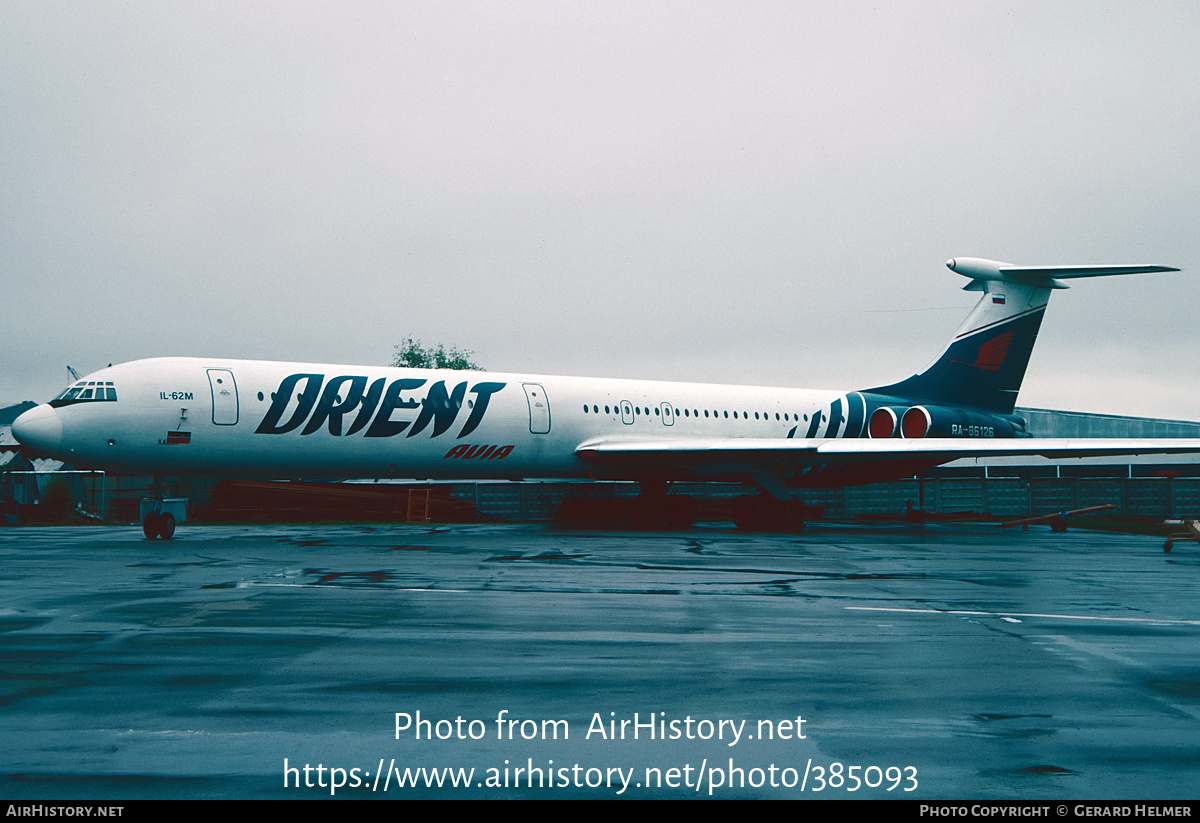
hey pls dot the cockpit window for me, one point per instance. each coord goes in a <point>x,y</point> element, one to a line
<point>85,391</point>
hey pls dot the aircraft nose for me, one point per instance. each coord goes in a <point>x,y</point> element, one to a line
<point>39,428</point>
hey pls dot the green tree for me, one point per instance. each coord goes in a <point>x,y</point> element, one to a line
<point>412,354</point>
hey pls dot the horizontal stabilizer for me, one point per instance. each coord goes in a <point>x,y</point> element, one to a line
<point>747,454</point>
<point>1048,277</point>
<point>1067,272</point>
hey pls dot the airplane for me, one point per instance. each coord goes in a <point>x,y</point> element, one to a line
<point>1191,531</point>
<point>176,416</point>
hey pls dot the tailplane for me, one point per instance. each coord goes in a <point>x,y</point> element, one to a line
<point>985,361</point>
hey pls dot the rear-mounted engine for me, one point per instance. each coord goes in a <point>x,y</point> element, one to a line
<point>916,422</point>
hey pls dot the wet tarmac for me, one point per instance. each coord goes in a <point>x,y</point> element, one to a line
<point>947,662</point>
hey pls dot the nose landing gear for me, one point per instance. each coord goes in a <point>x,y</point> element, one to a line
<point>155,525</point>
<point>160,514</point>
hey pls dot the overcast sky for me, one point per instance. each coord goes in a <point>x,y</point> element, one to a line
<point>726,192</point>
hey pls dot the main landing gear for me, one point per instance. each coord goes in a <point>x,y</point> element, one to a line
<point>655,509</point>
<point>763,513</point>
<point>652,510</point>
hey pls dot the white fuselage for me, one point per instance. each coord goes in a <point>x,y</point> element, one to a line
<point>179,416</point>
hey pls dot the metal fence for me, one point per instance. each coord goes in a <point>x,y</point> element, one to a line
<point>997,497</point>
<point>1166,497</point>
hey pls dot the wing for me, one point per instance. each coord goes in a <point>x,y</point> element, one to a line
<point>752,456</point>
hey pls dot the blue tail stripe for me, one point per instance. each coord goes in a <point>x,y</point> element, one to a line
<point>982,369</point>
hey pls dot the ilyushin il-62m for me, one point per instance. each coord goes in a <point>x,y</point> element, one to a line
<point>195,416</point>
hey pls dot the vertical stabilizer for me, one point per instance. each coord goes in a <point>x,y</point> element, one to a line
<point>985,361</point>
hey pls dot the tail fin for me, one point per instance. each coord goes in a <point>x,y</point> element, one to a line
<point>985,361</point>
